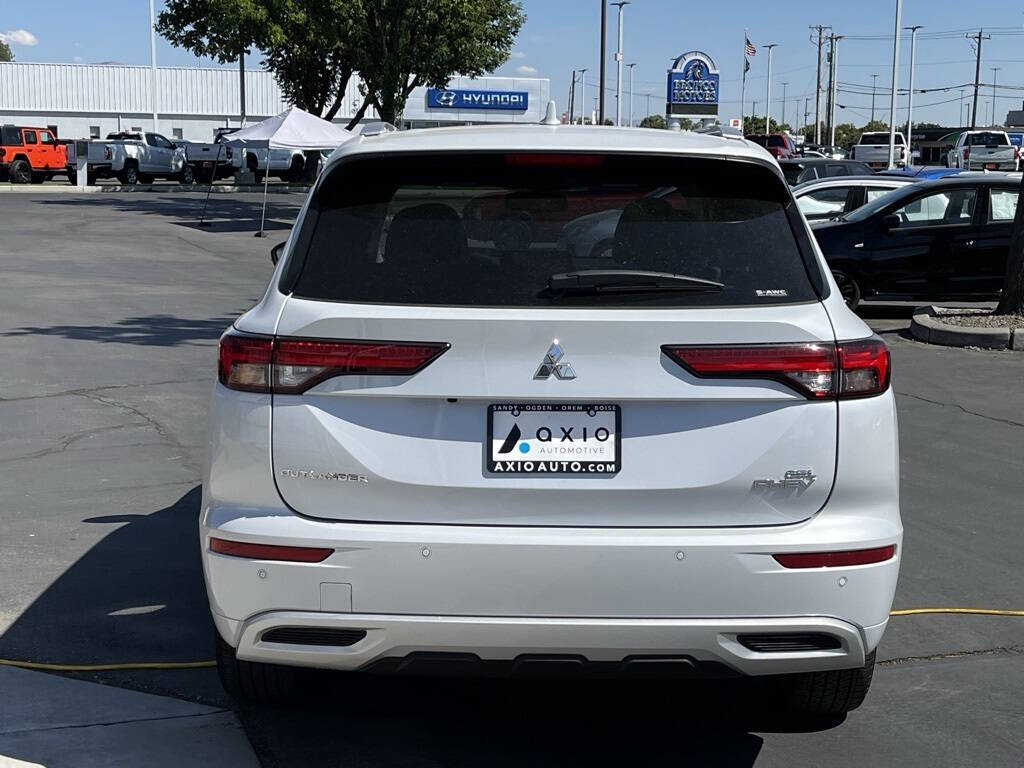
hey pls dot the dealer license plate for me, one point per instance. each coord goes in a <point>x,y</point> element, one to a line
<point>554,439</point>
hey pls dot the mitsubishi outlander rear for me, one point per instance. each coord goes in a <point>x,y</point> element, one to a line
<point>534,397</point>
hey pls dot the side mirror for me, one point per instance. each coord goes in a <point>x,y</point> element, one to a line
<point>892,221</point>
<point>275,253</point>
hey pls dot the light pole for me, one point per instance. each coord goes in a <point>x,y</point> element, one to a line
<point>631,93</point>
<point>618,66</point>
<point>600,90</point>
<point>152,59</point>
<point>874,80</point>
<point>995,74</point>
<point>768,102</point>
<point>910,98</point>
<point>784,102</point>
<point>572,87</point>
<point>583,96</point>
<point>895,81</point>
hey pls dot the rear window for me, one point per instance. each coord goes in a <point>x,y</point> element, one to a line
<point>489,229</point>
<point>988,139</point>
<point>879,138</point>
<point>776,141</point>
<point>10,135</point>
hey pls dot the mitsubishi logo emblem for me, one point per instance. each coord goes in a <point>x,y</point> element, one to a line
<point>552,364</point>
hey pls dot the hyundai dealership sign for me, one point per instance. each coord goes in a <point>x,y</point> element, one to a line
<point>692,86</point>
<point>460,98</point>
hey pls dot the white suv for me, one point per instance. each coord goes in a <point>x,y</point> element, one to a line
<point>460,430</point>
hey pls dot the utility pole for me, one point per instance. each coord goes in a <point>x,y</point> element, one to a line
<point>895,82</point>
<point>152,60</point>
<point>241,87</point>
<point>977,39</point>
<point>631,93</point>
<point>600,95</point>
<point>817,87</point>
<point>618,66</point>
<point>572,87</point>
<point>995,73</point>
<point>648,104</point>
<point>910,99</point>
<point>583,96</point>
<point>768,96</point>
<point>784,102</point>
<point>833,85</point>
<point>874,80</point>
<point>806,115</point>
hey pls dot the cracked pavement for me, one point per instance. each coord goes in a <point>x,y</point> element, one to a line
<point>109,314</point>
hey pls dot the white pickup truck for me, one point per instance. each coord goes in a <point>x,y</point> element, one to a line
<point>286,164</point>
<point>134,158</point>
<point>873,149</point>
<point>983,151</point>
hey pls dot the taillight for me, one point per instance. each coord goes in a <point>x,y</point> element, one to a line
<point>291,366</point>
<point>107,153</point>
<point>563,159</point>
<point>967,152</point>
<point>836,559</point>
<point>864,368</point>
<point>269,551</point>
<point>817,370</point>
<point>300,364</point>
<point>808,368</point>
<point>244,362</point>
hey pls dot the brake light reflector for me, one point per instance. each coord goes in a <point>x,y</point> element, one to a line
<point>564,159</point>
<point>244,362</point>
<point>816,370</point>
<point>836,559</point>
<point>807,368</point>
<point>864,368</point>
<point>269,551</point>
<point>290,366</point>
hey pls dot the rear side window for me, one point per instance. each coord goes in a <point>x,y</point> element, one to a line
<point>10,135</point>
<point>491,229</point>
<point>30,137</point>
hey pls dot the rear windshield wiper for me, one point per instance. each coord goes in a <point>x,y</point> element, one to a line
<point>626,281</point>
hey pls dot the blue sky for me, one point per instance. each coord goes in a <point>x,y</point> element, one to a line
<point>562,35</point>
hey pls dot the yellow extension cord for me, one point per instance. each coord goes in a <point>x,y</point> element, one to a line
<point>207,664</point>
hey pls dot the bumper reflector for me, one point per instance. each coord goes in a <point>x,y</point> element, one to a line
<point>269,551</point>
<point>836,559</point>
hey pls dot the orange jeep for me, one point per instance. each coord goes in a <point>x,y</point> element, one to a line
<point>30,154</point>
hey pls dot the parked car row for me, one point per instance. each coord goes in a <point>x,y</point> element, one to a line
<point>33,155</point>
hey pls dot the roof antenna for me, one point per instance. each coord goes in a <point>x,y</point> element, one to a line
<point>551,115</point>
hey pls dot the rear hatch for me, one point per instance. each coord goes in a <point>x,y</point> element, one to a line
<point>542,339</point>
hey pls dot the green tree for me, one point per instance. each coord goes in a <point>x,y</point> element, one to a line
<point>753,125</point>
<point>5,52</point>
<point>402,44</point>
<point>654,121</point>
<point>847,134</point>
<point>307,43</point>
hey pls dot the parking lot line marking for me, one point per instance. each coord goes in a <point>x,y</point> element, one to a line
<point>974,611</point>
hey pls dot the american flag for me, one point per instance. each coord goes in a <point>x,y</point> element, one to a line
<point>750,49</point>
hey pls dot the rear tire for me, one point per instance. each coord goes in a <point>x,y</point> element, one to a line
<point>848,288</point>
<point>832,693</point>
<point>129,176</point>
<point>187,175</point>
<point>251,681</point>
<point>21,172</point>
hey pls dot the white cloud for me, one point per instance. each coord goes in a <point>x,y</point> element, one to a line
<point>18,37</point>
<point>525,69</point>
<point>517,55</point>
<point>77,59</point>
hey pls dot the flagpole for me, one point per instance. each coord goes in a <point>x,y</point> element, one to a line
<point>743,87</point>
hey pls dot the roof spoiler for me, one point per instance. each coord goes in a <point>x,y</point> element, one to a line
<point>724,131</point>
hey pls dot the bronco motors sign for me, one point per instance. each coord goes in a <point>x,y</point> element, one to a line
<point>457,98</point>
<point>692,86</point>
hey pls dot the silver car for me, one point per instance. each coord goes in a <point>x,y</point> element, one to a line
<point>831,197</point>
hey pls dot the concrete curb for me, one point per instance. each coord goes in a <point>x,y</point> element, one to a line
<point>161,188</point>
<point>925,327</point>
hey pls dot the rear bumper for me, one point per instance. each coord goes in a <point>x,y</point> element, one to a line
<point>613,642</point>
<point>500,593</point>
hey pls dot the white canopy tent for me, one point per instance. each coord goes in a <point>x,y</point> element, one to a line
<point>292,129</point>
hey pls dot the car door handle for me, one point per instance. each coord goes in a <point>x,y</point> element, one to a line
<point>964,246</point>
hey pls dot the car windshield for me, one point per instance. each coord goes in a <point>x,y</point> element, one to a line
<point>490,229</point>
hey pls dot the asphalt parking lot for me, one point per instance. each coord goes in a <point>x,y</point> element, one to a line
<point>110,308</point>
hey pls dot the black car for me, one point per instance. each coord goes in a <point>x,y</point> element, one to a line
<point>808,168</point>
<point>946,239</point>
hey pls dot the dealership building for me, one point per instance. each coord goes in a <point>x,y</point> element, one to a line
<point>92,100</point>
